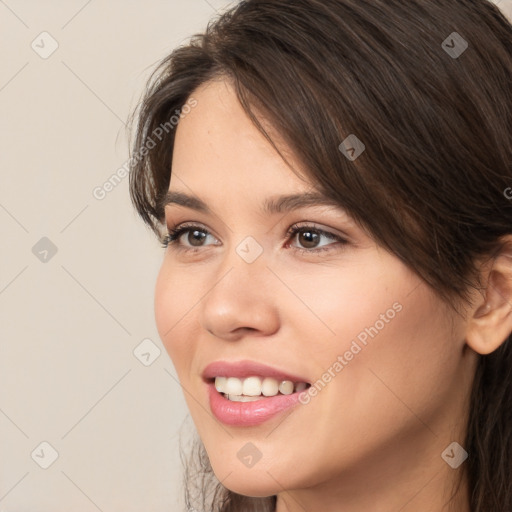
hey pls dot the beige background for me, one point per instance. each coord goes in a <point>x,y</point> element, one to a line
<point>69,326</point>
<point>71,321</point>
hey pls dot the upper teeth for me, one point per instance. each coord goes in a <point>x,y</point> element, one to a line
<point>255,386</point>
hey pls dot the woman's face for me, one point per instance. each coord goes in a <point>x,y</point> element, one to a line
<point>385,355</point>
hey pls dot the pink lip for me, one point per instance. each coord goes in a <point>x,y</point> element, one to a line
<point>247,414</point>
<point>247,368</point>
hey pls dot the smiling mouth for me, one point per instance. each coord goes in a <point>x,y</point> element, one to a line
<point>248,411</point>
<point>256,388</point>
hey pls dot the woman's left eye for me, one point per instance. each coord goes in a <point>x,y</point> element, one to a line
<point>308,236</point>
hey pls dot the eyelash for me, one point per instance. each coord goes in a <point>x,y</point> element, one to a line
<point>173,236</point>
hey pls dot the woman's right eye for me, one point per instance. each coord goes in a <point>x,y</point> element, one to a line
<point>195,234</point>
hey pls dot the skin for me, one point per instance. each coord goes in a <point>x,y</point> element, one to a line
<point>372,438</point>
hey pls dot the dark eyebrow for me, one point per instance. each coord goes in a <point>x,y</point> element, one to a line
<point>272,205</point>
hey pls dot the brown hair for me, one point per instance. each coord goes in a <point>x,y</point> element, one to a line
<point>426,85</point>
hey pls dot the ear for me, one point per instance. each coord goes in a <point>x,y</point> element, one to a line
<point>490,322</point>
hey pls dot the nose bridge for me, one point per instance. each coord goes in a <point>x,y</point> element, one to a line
<point>250,250</point>
<point>243,272</point>
<point>240,296</point>
<point>245,258</point>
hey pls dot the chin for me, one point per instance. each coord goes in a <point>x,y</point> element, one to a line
<point>258,481</point>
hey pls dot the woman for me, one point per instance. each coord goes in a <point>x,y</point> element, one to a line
<point>336,290</point>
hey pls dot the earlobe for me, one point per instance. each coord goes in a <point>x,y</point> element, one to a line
<point>491,321</point>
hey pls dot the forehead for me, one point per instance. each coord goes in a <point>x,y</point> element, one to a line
<point>217,146</point>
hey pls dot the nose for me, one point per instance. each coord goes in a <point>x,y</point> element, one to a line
<point>243,298</point>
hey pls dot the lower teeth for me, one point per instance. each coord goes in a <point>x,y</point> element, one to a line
<point>246,398</point>
<point>243,398</point>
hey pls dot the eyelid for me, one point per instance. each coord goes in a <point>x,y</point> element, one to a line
<point>297,227</point>
<point>304,223</point>
<point>185,226</point>
<point>175,233</point>
<point>322,227</point>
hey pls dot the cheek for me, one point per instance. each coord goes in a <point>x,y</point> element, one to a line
<point>376,328</point>
<point>357,302</point>
<point>397,355</point>
<point>173,302</point>
<point>392,336</point>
